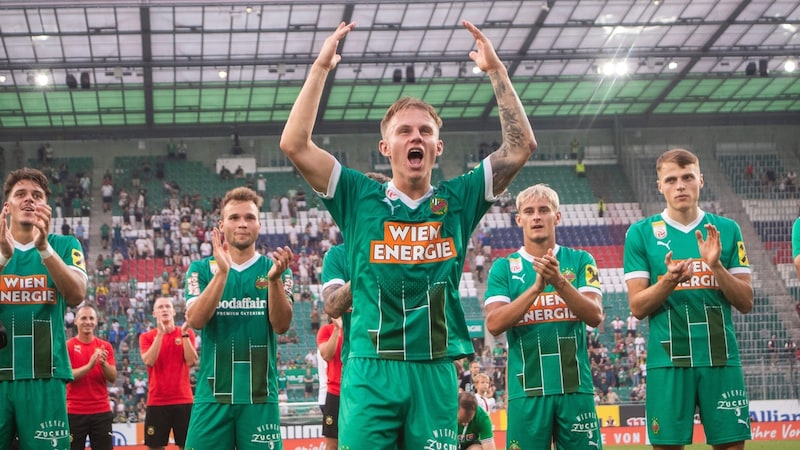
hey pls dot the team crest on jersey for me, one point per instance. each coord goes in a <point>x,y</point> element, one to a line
<point>328,420</point>
<point>569,275</point>
<point>151,430</point>
<point>660,229</point>
<point>212,266</point>
<point>515,265</point>
<point>77,259</point>
<point>654,426</point>
<point>592,276</point>
<point>438,206</point>
<point>262,282</point>
<point>514,445</point>
<point>742,254</point>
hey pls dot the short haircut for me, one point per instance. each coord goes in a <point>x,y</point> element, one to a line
<point>241,194</point>
<point>540,190</point>
<point>26,173</point>
<point>408,103</point>
<point>467,401</point>
<point>679,156</point>
<point>481,375</point>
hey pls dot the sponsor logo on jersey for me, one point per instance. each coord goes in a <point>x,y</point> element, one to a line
<point>443,438</point>
<point>77,259</point>
<point>702,277</point>
<point>742,254</point>
<point>660,229</point>
<point>515,265</point>
<point>586,423</point>
<point>267,434</point>
<point>262,282</point>
<point>548,307</point>
<point>193,284</point>
<point>31,289</point>
<point>412,243</point>
<point>438,206</point>
<point>52,431</point>
<point>734,399</point>
<point>592,276</point>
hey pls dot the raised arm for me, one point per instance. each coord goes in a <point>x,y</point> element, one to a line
<point>313,162</point>
<point>518,139</point>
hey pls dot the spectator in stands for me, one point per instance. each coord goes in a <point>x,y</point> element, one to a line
<point>274,207</point>
<point>93,367</point>
<point>483,392</point>
<point>315,319</point>
<point>467,381</point>
<point>410,140</point>
<point>474,425</point>
<point>669,259</point>
<point>789,349</point>
<point>480,260</point>
<point>239,172</point>
<point>772,349</point>
<point>611,396</point>
<point>617,325</point>
<point>580,169</point>
<point>27,251</point>
<point>601,207</point>
<point>168,351</point>
<point>530,299</point>
<point>236,272</point>
<point>574,148</point>
<point>632,325</point>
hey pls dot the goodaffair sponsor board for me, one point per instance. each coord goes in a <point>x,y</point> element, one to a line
<point>771,420</point>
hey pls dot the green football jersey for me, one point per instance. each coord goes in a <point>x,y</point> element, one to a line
<point>32,310</point>
<point>335,272</point>
<point>407,257</point>
<point>477,430</point>
<point>796,238</point>
<point>547,351</point>
<point>239,346</point>
<point>693,327</point>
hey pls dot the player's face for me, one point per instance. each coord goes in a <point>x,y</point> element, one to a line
<point>86,320</point>
<point>163,310</point>
<point>240,224</point>
<point>680,186</point>
<point>411,143</point>
<point>538,220</point>
<point>25,198</point>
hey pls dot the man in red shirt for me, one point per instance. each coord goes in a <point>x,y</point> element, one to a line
<point>168,352</point>
<point>93,366</point>
<point>329,341</point>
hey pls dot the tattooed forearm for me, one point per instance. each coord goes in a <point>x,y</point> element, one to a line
<point>518,140</point>
<point>338,299</point>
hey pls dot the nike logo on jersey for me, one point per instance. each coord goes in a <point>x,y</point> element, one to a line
<point>665,244</point>
<point>521,278</point>
<point>391,205</point>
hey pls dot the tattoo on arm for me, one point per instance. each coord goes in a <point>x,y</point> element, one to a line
<point>516,134</point>
<point>338,299</point>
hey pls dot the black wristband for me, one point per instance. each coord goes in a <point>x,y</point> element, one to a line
<point>185,335</point>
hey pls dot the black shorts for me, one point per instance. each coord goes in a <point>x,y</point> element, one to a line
<point>159,420</point>
<point>330,416</point>
<point>96,426</point>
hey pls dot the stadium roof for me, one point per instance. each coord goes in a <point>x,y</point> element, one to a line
<point>156,68</point>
